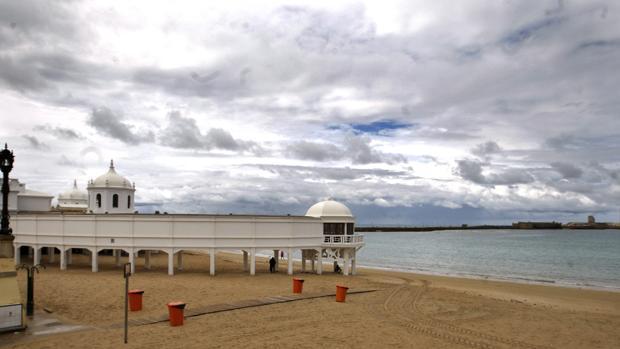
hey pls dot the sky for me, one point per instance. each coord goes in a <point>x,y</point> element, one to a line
<point>409,112</point>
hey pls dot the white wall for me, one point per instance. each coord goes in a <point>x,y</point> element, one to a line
<point>34,203</point>
<point>154,232</point>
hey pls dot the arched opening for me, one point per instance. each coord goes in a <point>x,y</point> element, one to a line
<point>128,201</point>
<point>99,200</point>
<point>115,200</point>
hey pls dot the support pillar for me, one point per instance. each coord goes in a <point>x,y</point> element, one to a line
<point>312,261</point>
<point>69,256</point>
<point>37,256</point>
<point>147,259</point>
<point>170,262</point>
<point>63,259</point>
<point>93,261</point>
<point>319,266</point>
<point>30,252</point>
<point>131,255</point>
<point>345,269</point>
<point>252,261</point>
<point>51,254</point>
<point>117,257</point>
<point>180,260</point>
<point>245,261</point>
<point>353,263</point>
<point>303,261</point>
<point>17,255</point>
<point>212,261</point>
<point>276,255</point>
<point>290,261</point>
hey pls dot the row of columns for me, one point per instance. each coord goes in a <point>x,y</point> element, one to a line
<point>314,255</point>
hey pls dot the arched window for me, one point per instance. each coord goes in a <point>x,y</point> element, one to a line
<point>115,200</point>
<point>128,201</point>
<point>98,200</point>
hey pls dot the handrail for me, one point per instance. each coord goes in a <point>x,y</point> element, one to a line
<point>343,239</point>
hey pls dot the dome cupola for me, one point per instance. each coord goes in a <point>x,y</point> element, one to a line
<point>329,208</point>
<point>111,193</point>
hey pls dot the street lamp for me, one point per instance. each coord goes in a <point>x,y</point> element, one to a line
<point>6,165</point>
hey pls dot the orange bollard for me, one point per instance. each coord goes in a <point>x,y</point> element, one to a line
<point>175,309</point>
<point>135,300</point>
<point>341,293</point>
<point>298,285</point>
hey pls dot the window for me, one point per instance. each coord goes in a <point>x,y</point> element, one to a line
<point>115,200</point>
<point>333,228</point>
<point>98,200</point>
<point>128,201</point>
<point>350,229</point>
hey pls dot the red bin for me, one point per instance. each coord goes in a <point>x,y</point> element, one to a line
<point>175,309</point>
<point>135,299</point>
<point>341,293</point>
<point>298,285</point>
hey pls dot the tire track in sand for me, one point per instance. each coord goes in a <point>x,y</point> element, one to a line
<point>403,303</point>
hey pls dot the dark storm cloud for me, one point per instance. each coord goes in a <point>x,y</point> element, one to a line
<point>110,124</point>
<point>487,148</point>
<point>567,170</point>
<point>472,170</point>
<point>59,132</point>
<point>356,148</point>
<point>183,132</point>
<point>34,142</point>
<point>314,151</point>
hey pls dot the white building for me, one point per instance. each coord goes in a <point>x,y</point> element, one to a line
<point>73,200</point>
<point>22,199</point>
<point>326,231</point>
<point>111,193</point>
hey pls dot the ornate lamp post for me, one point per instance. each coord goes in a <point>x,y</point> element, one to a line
<point>6,238</point>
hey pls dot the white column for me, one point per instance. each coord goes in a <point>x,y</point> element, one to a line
<point>17,255</point>
<point>312,261</point>
<point>180,260</point>
<point>303,261</point>
<point>170,262</point>
<point>93,261</point>
<point>212,261</point>
<point>290,261</point>
<point>37,256</point>
<point>131,255</point>
<point>147,259</point>
<point>345,270</point>
<point>319,259</point>
<point>51,255</point>
<point>252,261</point>
<point>30,252</point>
<point>245,260</point>
<point>69,256</point>
<point>63,258</point>
<point>117,257</point>
<point>353,263</point>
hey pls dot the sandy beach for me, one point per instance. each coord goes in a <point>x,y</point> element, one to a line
<point>407,310</point>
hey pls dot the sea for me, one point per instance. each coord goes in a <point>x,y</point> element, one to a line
<point>577,258</point>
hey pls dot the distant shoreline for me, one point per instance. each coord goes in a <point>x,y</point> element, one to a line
<point>378,229</point>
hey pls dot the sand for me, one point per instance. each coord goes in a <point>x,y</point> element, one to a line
<point>406,311</point>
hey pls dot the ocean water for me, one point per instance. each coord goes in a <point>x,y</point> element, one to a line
<point>582,258</point>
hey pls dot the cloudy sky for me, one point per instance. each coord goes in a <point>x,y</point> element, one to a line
<point>410,112</point>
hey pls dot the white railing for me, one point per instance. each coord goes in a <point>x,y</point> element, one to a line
<point>343,239</point>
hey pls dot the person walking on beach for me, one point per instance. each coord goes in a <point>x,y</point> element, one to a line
<point>272,265</point>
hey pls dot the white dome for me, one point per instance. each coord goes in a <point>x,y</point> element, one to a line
<point>329,208</point>
<point>74,194</point>
<point>110,179</point>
